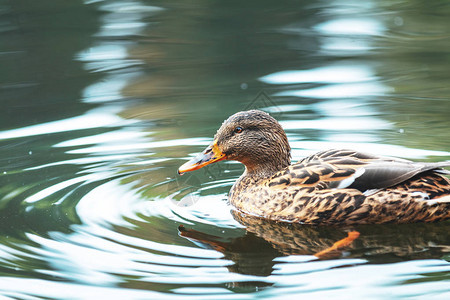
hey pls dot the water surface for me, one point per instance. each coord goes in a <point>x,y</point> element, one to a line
<point>103,100</point>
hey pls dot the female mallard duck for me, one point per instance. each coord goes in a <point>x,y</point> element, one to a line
<point>330,187</point>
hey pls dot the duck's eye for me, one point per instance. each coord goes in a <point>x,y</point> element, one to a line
<point>238,129</point>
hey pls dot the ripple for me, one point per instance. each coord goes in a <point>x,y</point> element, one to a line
<point>351,26</point>
<point>373,281</point>
<point>340,91</point>
<point>328,74</point>
<point>95,118</point>
<point>375,148</point>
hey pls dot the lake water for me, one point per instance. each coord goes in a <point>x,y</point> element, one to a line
<point>103,100</point>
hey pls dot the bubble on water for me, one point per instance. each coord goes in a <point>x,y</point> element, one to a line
<point>398,21</point>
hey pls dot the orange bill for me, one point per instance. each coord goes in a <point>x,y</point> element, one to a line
<point>210,155</point>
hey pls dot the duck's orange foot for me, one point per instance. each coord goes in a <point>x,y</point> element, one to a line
<point>335,250</point>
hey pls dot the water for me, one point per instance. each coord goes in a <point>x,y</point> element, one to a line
<point>103,100</point>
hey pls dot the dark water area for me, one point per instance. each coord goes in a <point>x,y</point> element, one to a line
<point>102,101</point>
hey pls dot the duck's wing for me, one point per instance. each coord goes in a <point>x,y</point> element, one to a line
<point>351,169</point>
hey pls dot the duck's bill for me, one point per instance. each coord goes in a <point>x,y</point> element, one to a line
<point>210,155</point>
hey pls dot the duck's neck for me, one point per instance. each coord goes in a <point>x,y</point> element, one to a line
<point>271,156</point>
<point>249,181</point>
<point>265,170</point>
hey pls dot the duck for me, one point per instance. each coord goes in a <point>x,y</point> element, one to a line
<point>336,186</point>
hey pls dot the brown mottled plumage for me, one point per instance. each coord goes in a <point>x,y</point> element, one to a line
<point>330,187</point>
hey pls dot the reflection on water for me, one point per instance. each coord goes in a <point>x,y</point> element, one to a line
<point>103,100</point>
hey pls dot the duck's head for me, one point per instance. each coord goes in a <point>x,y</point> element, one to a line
<point>251,137</point>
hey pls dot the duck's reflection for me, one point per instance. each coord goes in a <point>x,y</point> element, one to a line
<point>254,252</point>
